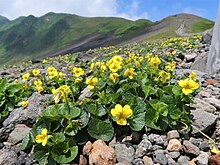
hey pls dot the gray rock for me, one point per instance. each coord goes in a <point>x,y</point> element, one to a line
<point>190,148</point>
<point>196,141</point>
<point>18,133</point>
<point>85,93</point>
<point>160,157</point>
<point>174,155</point>
<point>148,160</point>
<point>213,101</point>
<point>174,134</point>
<point>157,139</point>
<point>29,114</point>
<point>138,161</point>
<point>144,147</point>
<point>186,72</point>
<point>202,120</point>
<point>200,62</point>
<point>190,57</point>
<point>183,160</point>
<point>5,131</point>
<point>202,159</point>
<point>124,152</point>
<point>204,146</point>
<point>170,160</point>
<point>8,157</point>
<point>203,106</point>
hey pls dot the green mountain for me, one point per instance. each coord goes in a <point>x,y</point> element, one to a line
<point>36,37</point>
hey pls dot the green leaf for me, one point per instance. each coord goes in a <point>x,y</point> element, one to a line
<point>41,154</point>
<point>151,118</point>
<point>99,129</point>
<point>84,118</point>
<point>101,84</point>
<point>159,106</point>
<point>138,106</point>
<point>137,122</point>
<point>96,109</point>
<point>148,90</point>
<point>174,112</point>
<point>63,154</point>
<point>177,90</point>
<point>71,129</point>
<point>58,137</point>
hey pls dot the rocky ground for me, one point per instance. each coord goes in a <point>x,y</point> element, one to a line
<point>149,147</point>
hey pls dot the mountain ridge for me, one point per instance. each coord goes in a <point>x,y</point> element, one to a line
<point>52,34</point>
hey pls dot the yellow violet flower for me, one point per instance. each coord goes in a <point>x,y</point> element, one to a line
<point>164,76</point>
<point>103,67</point>
<point>38,83</point>
<point>53,74</point>
<point>78,80</point>
<point>121,113</point>
<point>39,89</point>
<point>78,71</point>
<point>113,76</point>
<point>92,82</point>
<point>36,72</point>
<point>188,86</point>
<point>192,76</point>
<point>51,69</point>
<point>61,75</point>
<point>26,76</point>
<point>129,73</point>
<point>43,137</point>
<point>154,61</point>
<point>115,66</point>
<point>117,58</point>
<point>24,103</point>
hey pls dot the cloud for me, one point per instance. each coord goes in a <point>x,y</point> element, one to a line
<point>15,8</point>
<point>132,14</point>
<point>195,11</point>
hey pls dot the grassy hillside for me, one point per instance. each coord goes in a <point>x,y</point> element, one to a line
<point>3,20</point>
<point>31,37</point>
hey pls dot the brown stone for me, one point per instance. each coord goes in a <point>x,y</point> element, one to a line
<point>82,160</point>
<point>214,160</point>
<point>99,153</point>
<point>192,162</point>
<point>211,82</point>
<point>174,145</point>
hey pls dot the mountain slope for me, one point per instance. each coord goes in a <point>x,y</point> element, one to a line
<point>52,34</point>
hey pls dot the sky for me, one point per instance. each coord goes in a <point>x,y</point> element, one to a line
<point>153,10</point>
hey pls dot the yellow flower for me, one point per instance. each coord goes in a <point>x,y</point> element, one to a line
<point>39,89</point>
<point>44,61</point>
<point>129,73</point>
<point>24,103</point>
<point>113,76</point>
<point>78,71</point>
<point>51,69</point>
<point>173,52</point>
<point>192,76</point>
<point>26,76</point>
<point>121,114</point>
<point>115,66</point>
<point>78,80</point>
<point>154,61</point>
<point>61,92</point>
<point>164,76</point>
<point>53,74</point>
<point>36,72</point>
<point>103,67</point>
<point>117,59</point>
<point>38,83</point>
<point>188,86</point>
<point>92,82</point>
<point>43,137</point>
<point>92,66</point>
<point>61,75</point>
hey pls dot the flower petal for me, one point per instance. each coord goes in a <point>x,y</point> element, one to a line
<point>193,84</point>
<point>127,112</point>
<point>44,131</point>
<point>39,138</point>
<point>121,121</point>
<point>44,142</point>
<point>187,91</point>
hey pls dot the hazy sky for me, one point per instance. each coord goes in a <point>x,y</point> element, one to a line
<point>130,9</point>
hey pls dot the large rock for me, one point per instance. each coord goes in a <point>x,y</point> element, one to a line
<point>203,106</point>
<point>99,153</point>
<point>202,120</point>
<point>213,101</point>
<point>200,62</point>
<point>29,114</point>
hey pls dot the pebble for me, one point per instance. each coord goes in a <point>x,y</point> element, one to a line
<point>174,145</point>
<point>190,148</point>
<point>202,159</point>
<point>183,160</point>
<point>124,152</point>
<point>174,134</point>
<point>160,157</point>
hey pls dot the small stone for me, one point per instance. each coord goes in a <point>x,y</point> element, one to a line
<point>192,162</point>
<point>213,101</point>
<point>174,145</point>
<point>170,160</point>
<point>174,134</point>
<point>214,160</point>
<point>138,161</point>
<point>156,147</point>
<point>183,160</point>
<point>174,155</point>
<point>19,133</point>
<point>144,147</point>
<point>8,157</point>
<point>124,152</point>
<point>202,159</point>
<point>82,160</point>
<point>204,94</point>
<point>157,139</point>
<point>99,153</point>
<point>191,56</point>
<point>211,82</point>
<point>160,157</point>
<point>148,160</point>
<point>204,146</point>
<point>196,141</point>
<point>190,148</point>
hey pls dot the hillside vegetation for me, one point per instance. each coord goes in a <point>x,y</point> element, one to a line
<point>32,37</point>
